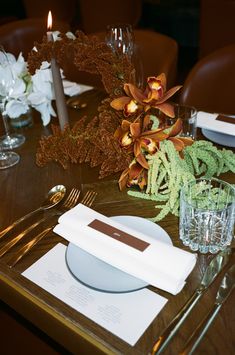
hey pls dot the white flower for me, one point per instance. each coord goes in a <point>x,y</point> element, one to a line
<point>42,92</point>
<point>19,67</point>
<point>12,84</point>
<point>70,35</point>
<point>15,108</point>
<point>19,90</point>
<point>56,35</point>
<point>43,105</point>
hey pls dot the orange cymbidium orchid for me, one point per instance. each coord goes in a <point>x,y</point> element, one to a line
<point>154,96</point>
<point>135,174</point>
<point>179,142</point>
<point>130,137</point>
<point>138,138</point>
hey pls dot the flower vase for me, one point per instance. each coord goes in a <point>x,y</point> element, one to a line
<point>24,120</point>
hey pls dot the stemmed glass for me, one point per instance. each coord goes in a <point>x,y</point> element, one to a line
<point>8,158</point>
<point>7,83</point>
<point>120,38</point>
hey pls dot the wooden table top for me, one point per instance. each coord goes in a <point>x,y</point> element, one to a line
<point>23,188</point>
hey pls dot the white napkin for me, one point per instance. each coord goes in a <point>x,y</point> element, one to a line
<point>159,264</point>
<point>208,121</point>
<point>71,88</point>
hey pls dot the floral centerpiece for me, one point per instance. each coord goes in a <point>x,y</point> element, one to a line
<point>129,135</point>
<point>26,90</point>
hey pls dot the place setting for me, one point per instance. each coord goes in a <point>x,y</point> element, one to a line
<point>105,260</point>
<point>106,279</point>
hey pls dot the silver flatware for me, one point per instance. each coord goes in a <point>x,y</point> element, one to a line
<point>76,103</point>
<point>226,287</point>
<point>53,197</point>
<point>87,200</point>
<point>212,271</point>
<point>80,101</point>
<point>4,249</point>
<point>69,203</point>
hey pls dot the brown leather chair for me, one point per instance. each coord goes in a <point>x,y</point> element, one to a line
<point>96,15</point>
<point>61,10</point>
<point>20,36</point>
<point>158,52</point>
<point>210,84</point>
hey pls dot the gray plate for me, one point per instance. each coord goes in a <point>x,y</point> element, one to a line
<point>220,138</point>
<point>101,276</point>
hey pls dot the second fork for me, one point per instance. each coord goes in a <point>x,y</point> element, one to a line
<point>87,200</point>
<point>70,202</point>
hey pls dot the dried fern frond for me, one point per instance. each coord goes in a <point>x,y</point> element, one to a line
<point>87,54</point>
<point>92,143</point>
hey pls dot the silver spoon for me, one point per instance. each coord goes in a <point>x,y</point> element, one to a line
<point>76,103</point>
<point>53,197</point>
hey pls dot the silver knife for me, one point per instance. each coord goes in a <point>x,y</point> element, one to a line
<point>212,271</point>
<point>225,289</point>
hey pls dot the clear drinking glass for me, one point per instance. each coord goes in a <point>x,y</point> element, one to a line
<point>188,115</point>
<point>207,215</point>
<point>120,38</point>
<point>8,141</point>
<point>8,159</point>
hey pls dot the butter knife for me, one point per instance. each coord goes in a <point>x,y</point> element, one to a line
<point>212,271</point>
<point>25,249</point>
<point>226,287</point>
<point>7,246</point>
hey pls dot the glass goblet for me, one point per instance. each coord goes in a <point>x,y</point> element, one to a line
<point>8,159</point>
<point>120,38</point>
<point>8,141</point>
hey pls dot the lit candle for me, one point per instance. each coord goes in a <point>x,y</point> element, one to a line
<point>57,82</point>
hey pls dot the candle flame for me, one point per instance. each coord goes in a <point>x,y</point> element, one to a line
<point>49,21</point>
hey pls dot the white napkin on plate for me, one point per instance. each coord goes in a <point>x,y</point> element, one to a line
<point>161,265</point>
<point>208,121</point>
<point>71,88</point>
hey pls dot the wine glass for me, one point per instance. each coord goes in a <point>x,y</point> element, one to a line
<point>8,141</point>
<point>8,158</point>
<point>120,38</point>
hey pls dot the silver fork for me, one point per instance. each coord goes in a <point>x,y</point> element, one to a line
<point>68,203</point>
<point>87,200</point>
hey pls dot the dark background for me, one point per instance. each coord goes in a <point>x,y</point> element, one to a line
<point>178,19</point>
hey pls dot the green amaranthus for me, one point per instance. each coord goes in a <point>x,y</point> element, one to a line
<point>168,172</point>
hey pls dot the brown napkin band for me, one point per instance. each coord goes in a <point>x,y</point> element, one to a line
<point>119,235</point>
<point>226,119</point>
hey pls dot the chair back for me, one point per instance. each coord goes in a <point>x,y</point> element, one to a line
<point>159,54</point>
<point>210,84</point>
<point>96,15</point>
<point>20,36</point>
<point>61,10</point>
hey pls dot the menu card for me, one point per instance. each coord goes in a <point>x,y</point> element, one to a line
<point>127,315</point>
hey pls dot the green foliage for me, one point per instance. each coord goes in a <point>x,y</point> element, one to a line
<point>168,172</point>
